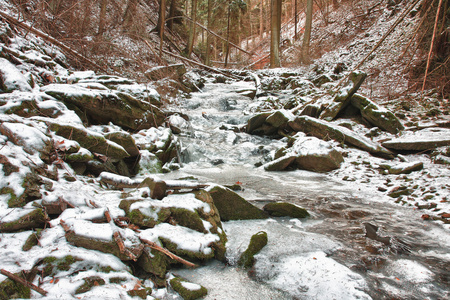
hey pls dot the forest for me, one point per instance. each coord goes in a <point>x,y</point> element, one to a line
<point>224,149</point>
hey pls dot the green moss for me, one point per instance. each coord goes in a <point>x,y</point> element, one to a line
<point>189,255</point>
<point>89,283</point>
<point>35,219</point>
<point>13,200</point>
<point>141,293</point>
<point>282,209</point>
<point>257,242</point>
<point>117,280</point>
<point>66,262</point>
<point>187,218</point>
<point>187,294</point>
<point>12,290</point>
<point>32,240</point>
<point>154,262</point>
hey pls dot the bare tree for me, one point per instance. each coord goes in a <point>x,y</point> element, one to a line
<point>275,37</point>
<point>307,35</point>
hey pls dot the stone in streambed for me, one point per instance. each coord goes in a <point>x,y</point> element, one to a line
<point>257,242</point>
<point>282,209</point>
<point>188,290</point>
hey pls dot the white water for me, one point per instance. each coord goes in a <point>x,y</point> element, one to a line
<point>326,256</point>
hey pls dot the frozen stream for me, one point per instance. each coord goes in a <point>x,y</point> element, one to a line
<point>327,256</point>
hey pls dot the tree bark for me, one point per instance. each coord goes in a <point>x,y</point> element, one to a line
<point>208,35</point>
<point>228,34</point>
<point>162,16</point>
<point>172,11</point>
<point>307,35</point>
<point>190,46</point>
<point>275,37</point>
<point>102,17</point>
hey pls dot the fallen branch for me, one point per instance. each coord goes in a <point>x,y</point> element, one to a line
<point>168,253</point>
<point>118,238</point>
<point>49,39</point>
<point>431,44</point>
<point>23,282</point>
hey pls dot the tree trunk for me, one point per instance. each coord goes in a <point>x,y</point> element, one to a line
<point>208,36</point>
<point>172,11</point>
<point>190,46</point>
<point>102,17</point>
<point>228,34</point>
<point>130,13</point>
<point>162,17</point>
<point>307,35</point>
<point>261,19</point>
<point>296,20</point>
<point>275,35</point>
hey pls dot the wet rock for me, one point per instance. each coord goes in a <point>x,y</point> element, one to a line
<point>160,72</point>
<point>343,98</point>
<point>188,290</point>
<point>376,115</point>
<point>324,130</point>
<point>257,242</point>
<point>231,206</point>
<point>103,107</point>
<point>421,140</point>
<point>35,218</point>
<point>403,168</point>
<point>90,140</point>
<point>282,209</point>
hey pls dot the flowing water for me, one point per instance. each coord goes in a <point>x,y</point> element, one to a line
<point>327,256</point>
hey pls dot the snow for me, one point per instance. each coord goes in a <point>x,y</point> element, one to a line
<point>184,238</point>
<point>11,77</point>
<point>91,230</point>
<point>191,286</point>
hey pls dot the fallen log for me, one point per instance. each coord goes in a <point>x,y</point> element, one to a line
<point>23,282</point>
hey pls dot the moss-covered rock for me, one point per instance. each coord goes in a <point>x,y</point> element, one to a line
<point>90,140</point>
<point>231,206</point>
<point>10,289</point>
<point>154,262</point>
<point>188,290</point>
<point>187,254</point>
<point>104,106</point>
<point>187,218</point>
<point>32,240</point>
<point>256,122</point>
<point>147,217</point>
<point>282,209</point>
<point>36,218</point>
<point>141,293</point>
<point>125,140</point>
<point>89,283</point>
<point>82,156</point>
<point>257,242</point>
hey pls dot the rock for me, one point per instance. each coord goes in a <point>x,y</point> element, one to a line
<point>282,209</point>
<point>158,188</point>
<point>280,118</point>
<point>376,115</point>
<point>193,81</point>
<point>90,140</point>
<point>11,79</point>
<point>142,215</point>
<point>343,98</point>
<point>257,242</point>
<point>32,240</point>
<point>154,262</point>
<point>312,110</point>
<point>422,140</point>
<point>256,122</point>
<point>89,283</point>
<point>142,92</point>
<point>35,218</point>
<point>188,290</point>
<point>10,289</point>
<point>399,191</point>
<point>324,130</point>
<point>31,139</point>
<point>82,156</point>
<point>125,140</point>
<point>160,72</point>
<point>403,168</point>
<point>231,206</point>
<point>281,163</point>
<point>31,185</point>
<point>108,106</point>
<point>141,293</point>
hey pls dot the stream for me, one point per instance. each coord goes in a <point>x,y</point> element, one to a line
<point>327,256</point>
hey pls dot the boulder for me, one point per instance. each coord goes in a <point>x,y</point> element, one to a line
<point>193,81</point>
<point>125,140</point>
<point>422,140</point>
<point>108,106</point>
<point>376,115</point>
<point>343,98</point>
<point>324,130</point>
<point>31,139</point>
<point>188,290</point>
<point>280,118</point>
<point>154,262</point>
<point>257,242</point>
<point>90,140</point>
<point>282,209</point>
<point>281,163</point>
<point>231,206</point>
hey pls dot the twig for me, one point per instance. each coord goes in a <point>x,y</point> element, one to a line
<point>23,282</point>
<point>431,45</point>
<point>168,253</point>
<point>118,238</point>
